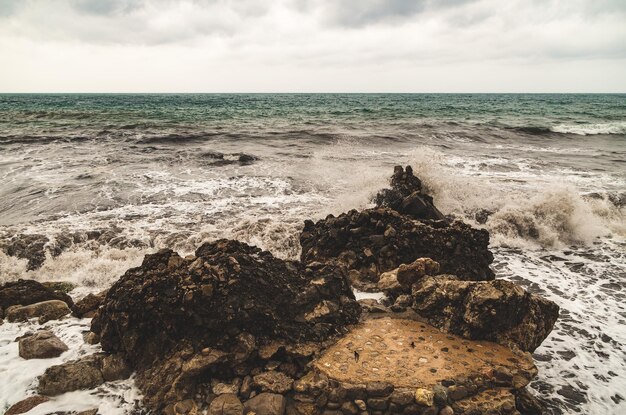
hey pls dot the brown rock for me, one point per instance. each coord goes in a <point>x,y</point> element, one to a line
<point>408,274</point>
<point>226,404</point>
<point>79,374</point>
<point>26,292</point>
<point>497,310</point>
<point>266,404</point>
<point>26,405</point>
<point>46,311</point>
<point>88,305</point>
<point>114,368</point>
<point>41,345</point>
<point>272,381</point>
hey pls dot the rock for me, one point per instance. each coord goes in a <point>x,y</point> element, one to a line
<point>497,310</point>
<point>457,247</point>
<point>79,374</point>
<point>527,404</point>
<point>388,283</point>
<point>313,383</point>
<point>222,387</point>
<point>424,397</point>
<point>402,396</point>
<point>30,247</point>
<point>266,404</point>
<point>491,401</point>
<point>176,320</point>
<point>371,305</point>
<point>26,405</point>
<point>376,389</point>
<point>406,196</point>
<point>114,368</point>
<point>446,410</point>
<point>27,292</point>
<point>408,274</point>
<point>46,311</point>
<point>273,381</point>
<point>59,286</point>
<point>41,345</point>
<point>226,404</point>
<point>86,307</point>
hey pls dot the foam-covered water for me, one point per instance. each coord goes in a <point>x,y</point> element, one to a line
<point>110,178</point>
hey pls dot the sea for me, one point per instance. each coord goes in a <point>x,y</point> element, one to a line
<point>123,175</point>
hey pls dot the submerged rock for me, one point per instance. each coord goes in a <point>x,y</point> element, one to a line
<point>41,345</point>
<point>31,247</point>
<point>176,320</point>
<point>499,310</point>
<point>406,196</point>
<point>26,292</point>
<point>374,241</point>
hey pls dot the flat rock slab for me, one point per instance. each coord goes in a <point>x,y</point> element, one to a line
<point>408,353</point>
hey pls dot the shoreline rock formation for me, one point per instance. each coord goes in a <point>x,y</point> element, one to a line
<point>233,330</point>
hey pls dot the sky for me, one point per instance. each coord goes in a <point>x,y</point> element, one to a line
<point>312,46</point>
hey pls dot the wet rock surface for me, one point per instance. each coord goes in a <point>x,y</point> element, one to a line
<point>406,196</point>
<point>44,311</point>
<point>374,241</point>
<point>176,320</point>
<point>87,306</point>
<point>26,405</point>
<point>26,292</point>
<point>41,345</point>
<point>499,310</point>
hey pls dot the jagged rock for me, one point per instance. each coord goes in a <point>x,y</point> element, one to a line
<point>221,387</point>
<point>59,286</point>
<point>361,242</point>
<point>401,279</point>
<point>266,404</point>
<point>79,374</point>
<point>174,319</point>
<point>273,381</point>
<point>406,196</point>
<point>26,292</point>
<point>26,405</point>
<point>87,306</point>
<point>499,310</point>
<point>46,311</point>
<point>226,404</point>
<point>41,345</point>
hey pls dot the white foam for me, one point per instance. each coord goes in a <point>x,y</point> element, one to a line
<point>617,127</point>
<point>111,398</point>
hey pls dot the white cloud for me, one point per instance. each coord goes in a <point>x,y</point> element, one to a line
<point>325,45</point>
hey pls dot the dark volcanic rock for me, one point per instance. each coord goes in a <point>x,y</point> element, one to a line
<point>377,240</point>
<point>88,305</point>
<point>79,374</point>
<point>499,310</point>
<point>406,196</point>
<point>175,319</point>
<point>26,292</point>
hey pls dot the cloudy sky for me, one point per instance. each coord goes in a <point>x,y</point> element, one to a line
<point>313,46</point>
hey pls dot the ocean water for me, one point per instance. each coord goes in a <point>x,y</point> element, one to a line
<point>125,175</point>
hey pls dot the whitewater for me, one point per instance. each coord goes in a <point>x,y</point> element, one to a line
<point>108,179</point>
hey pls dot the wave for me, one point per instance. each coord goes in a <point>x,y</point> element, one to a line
<point>550,215</point>
<point>618,127</point>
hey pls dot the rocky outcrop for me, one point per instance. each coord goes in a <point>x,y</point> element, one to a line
<point>374,241</point>
<point>26,292</point>
<point>406,196</point>
<point>499,310</point>
<point>41,345</point>
<point>177,320</point>
<point>31,247</point>
<point>44,311</point>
